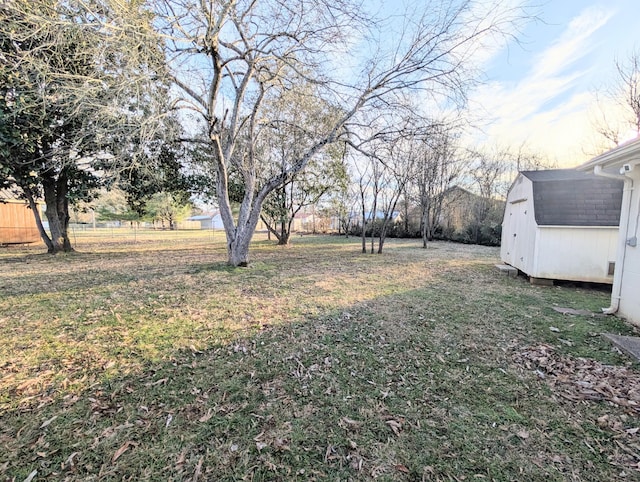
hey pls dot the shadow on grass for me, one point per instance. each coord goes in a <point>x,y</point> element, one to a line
<point>80,270</point>
<point>418,385</point>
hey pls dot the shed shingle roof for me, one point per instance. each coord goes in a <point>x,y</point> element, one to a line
<point>566,197</point>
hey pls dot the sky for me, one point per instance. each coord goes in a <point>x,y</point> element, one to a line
<point>541,91</point>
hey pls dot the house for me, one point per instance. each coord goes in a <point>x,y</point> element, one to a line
<point>211,220</point>
<point>17,223</point>
<point>456,209</point>
<point>303,222</point>
<point>562,224</point>
<point>622,164</point>
<point>461,208</point>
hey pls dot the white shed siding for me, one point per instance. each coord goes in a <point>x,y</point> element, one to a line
<point>575,253</point>
<point>562,252</point>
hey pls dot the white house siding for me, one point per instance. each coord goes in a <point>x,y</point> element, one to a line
<point>575,253</point>
<point>630,284</point>
<point>623,162</point>
<point>207,221</point>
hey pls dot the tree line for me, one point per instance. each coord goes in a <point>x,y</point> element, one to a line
<point>264,106</point>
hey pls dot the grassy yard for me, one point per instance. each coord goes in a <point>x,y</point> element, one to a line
<point>150,359</point>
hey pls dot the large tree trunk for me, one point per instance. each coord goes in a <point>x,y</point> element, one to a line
<point>285,237</point>
<point>36,214</point>
<point>285,230</point>
<point>57,211</point>
<point>238,249</point>
<point>239,234</point>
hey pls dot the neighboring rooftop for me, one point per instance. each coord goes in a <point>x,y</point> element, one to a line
<point>6,196</point>
<point>202,217</point>
<point>566,197</point>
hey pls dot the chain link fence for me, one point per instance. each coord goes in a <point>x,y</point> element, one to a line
<point>82,235</point>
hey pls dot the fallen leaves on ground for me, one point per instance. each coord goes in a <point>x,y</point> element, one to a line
<point>580,379</point>
<point>583,379</point>
<point>123,449</point>
<point>395,425</point>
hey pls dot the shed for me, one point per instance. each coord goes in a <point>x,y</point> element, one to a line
<point>562,224</point>
<point>623,163</point>
<point>17,223</point>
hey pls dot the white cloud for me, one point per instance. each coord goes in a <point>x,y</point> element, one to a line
<point>552,131</point>
<point>546,108</point>
<point>575,43</point>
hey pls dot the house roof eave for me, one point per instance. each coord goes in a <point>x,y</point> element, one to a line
<point>628,153</point>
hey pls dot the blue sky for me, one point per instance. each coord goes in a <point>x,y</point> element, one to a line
<point>543,91</point>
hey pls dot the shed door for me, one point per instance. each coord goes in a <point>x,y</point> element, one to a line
<point>515,236</point>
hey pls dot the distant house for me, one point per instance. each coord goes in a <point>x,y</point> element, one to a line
<point>460,207</point>
<point>211,220</point>
<point>303,222</point>
<point>17,224</point>
<point>622,165</point>
<point>562,224</point>
<point>356,219</point>
<point>311,222</point>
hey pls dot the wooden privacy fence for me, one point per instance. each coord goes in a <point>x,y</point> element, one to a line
<point>17,224</point>
<point>18,235</point>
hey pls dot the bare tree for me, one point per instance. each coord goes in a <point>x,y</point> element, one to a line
<point>342,203</point>
<point>377,186</point>
<point>436,169</point>
<point>365,182</point>
<point>489,172</point>
<point>229,57</point>
<point>396,168</point>
<point>524,158</point>
<point>625,95</point>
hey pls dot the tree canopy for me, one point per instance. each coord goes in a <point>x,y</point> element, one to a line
<point>77,88</point>
<point>96,88</point>
<point>229,59</point>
